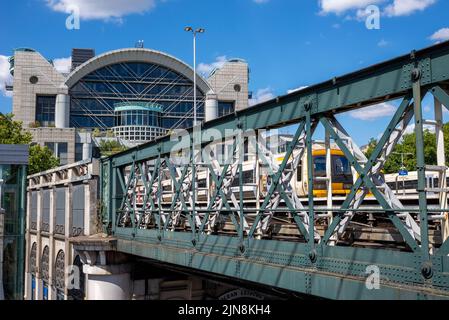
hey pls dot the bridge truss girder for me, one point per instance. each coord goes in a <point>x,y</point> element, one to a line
<point>185,232</point>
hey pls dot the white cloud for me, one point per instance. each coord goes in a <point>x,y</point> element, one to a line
<point>261,96</point>
<point>102,9</point>
<point>407,7</point>
<point>340,6</point>
<point>440,35</point>
<point>374,112</point>
<point>63,65</point>
<point>357,8</point>
<point>296,89</point>
<point>411,128</point>
<point>206,68</point>
<point>5,76</point>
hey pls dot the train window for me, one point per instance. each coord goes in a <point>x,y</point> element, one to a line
<point>248,177</point>
<point>202,183</point>
<point>341,165</point>
<point>319,164</point>
<point>299,173</point>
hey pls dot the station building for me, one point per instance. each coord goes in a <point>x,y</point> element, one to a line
<point>137,93</point>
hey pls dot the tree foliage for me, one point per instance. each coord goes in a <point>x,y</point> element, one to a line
<point>408,147</point>
<point>11,132</point>
<point>110,147</point>
<point>41,159</point>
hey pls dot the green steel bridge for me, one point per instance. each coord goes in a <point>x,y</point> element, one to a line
<point>157,206</point>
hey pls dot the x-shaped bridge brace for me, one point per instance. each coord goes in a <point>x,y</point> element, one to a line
<point>223,202</point>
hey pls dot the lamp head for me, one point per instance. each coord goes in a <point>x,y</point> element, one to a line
<point>188,29</point>
<point>201,30</point>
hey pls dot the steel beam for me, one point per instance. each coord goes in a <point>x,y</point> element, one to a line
<point>339,273</point>
<point>327,271</point>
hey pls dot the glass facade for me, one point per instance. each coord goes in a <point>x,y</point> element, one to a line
<point>13,203</point>
<point>45,110</point>
<point>138,118</point>
<point>94,97</point>
<point>138,122</point>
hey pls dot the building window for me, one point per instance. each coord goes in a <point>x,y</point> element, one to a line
<point>51,146</point>
<point>225,108</point>
<point>59,149</point>
<point>45,110</point>
<point>34,79</point>
<point>78,152</point>
<point>61,153</point>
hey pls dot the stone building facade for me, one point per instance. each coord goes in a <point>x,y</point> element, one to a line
<point>55,107</point>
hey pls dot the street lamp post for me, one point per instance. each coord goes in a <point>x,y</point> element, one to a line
<point>199,30</point>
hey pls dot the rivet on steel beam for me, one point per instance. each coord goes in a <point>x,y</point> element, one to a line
<point>426,270</point>
<point>416,74</point>
<point>313,256</point>
<point>194,242</point>
<point>242,248</point>
<point>159,238</point>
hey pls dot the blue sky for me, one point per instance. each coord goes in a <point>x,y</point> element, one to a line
<point>288,43</point>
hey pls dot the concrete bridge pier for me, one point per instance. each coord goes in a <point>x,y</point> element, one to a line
<point>108,273</point>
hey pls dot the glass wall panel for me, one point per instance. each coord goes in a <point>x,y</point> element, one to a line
<point>13,201</point>
<point>93,98</point>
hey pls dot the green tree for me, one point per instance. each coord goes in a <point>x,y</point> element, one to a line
<point>408,147</point>
<point>11,132</point>
<point>41,159</point>
<point>96,133</point>
<point>371,146</point>
<point>110,147</point>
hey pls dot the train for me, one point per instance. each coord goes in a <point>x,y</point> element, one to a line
<point>253,188</point>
